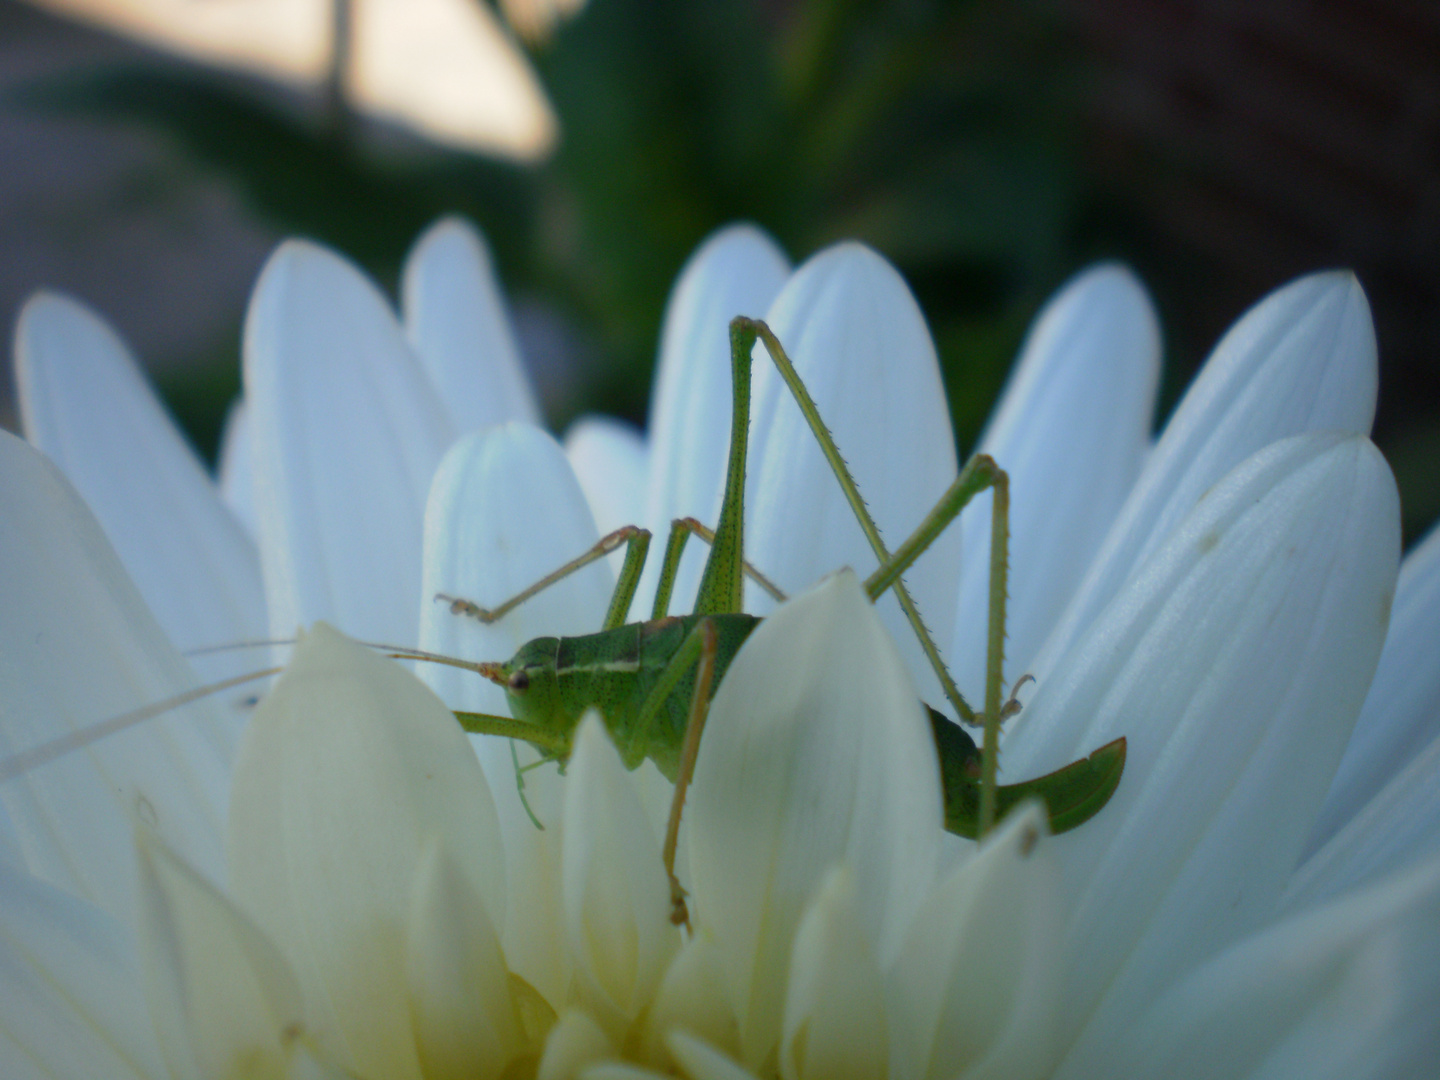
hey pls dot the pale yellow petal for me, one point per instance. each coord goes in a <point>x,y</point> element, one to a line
<point>834,1023</point>
<point>616,895</point>
<point>575,1041</point>
<point>347,770</point>
<point>223,999</point>
<point>466,1023</point>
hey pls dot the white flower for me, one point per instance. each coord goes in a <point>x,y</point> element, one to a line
<point>382,908</point>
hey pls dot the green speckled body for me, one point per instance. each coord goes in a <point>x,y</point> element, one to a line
<point>615,671</point>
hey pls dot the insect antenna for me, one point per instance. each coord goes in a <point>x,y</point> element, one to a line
<point>53,749</point>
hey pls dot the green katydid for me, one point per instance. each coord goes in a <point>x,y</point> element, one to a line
<point>652,680</point>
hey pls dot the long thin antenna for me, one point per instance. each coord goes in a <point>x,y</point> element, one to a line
<point>56,748</point>
<point>61,745</point>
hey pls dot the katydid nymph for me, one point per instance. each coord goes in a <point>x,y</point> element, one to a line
<point>652,681</point>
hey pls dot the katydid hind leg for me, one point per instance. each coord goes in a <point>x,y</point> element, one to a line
<point>721,585</point>
<point>831,451</point>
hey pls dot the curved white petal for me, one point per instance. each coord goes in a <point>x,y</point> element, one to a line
<point>348,769</point>
<point>1302,359</point>
<point>1397,826</point>
<point>1402,712</point>
<point>975,990</point>
<point>611,462</point>
<point>1349,989</point>
<point>738,270</point>
<point>223,1000</point>
<point>834,1023</point>
<point>70,999</point>
<point>857,338</point>
<point>467,1026</point>
<point>78,646</point>
<point>1072,430</point>
<point>456,321</point>
<point>702,1061</point>
<point>575,1041</point>
<point>505,510</point>
<point>693,1000</point>
<point>616,1070</point>
<point>346,434</point>
<point>1234,662</point>
<point>616,895</point>
<point>816,751</point>
<point>236,467</point>
<point>86,404</point>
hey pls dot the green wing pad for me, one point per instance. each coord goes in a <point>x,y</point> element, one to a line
<point>1072,795</point>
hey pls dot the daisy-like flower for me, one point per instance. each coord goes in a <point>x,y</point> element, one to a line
<point>339,890</point>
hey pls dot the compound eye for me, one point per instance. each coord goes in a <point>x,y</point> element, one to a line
<point>519,681</point>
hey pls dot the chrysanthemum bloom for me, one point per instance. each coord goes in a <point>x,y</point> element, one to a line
<point>348,894</point>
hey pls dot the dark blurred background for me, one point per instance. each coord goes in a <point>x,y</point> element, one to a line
<point>988,149</point>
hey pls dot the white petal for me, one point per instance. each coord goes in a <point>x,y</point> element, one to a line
<point>1072,431</point>
<point>70,1000</point>
<point>738,270</point>
<point>858,340</point>
<point>236,466</point>
<point>975,990</point>
<point>610,461</point>
<point>1350,989</point>
<point>505,510</point>
<point>1402,712</point>
<point>615,1070</point>
<point>346,433</point>
<point>466,1023</point>
<point>575,1041</point>
<point>78,646</point>
<point>704,1062</point>
<point>816,751</point>
<point>834,1006</point>
<point>86,404</point>
<point>224,1001</point>
<point>456,320</point>
<point>1302,359</point>
<point>692,999</point>
<point>1399,825</point>
<point>616,894</point>
<point>348,769</point>
<point>1234,662</point>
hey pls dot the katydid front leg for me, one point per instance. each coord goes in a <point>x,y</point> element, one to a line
<point>637,546</point>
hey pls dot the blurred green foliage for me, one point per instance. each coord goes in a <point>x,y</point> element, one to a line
<point>945,133</point>
<point>923,128</point>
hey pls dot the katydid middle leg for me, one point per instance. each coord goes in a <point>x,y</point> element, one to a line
<point>680,531</point>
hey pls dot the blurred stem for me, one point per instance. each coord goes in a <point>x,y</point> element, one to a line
<point>342,26</point>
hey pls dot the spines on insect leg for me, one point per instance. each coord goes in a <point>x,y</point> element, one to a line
<point>721,585</point>
<point>867,524</point>
<point>995,646</point>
